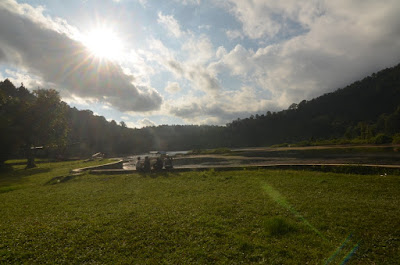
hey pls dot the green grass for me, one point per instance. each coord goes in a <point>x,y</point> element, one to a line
<point>233,217</point>
<point>20,177</point>
<point>277,226</point>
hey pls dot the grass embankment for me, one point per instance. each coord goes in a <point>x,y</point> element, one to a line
<point>261,216</point>
<point>217,151</point>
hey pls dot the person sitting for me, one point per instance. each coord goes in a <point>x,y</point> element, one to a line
<point>168,162</point>
<point>146,166</point>
<point>139,164</point>
<point>159,164</point>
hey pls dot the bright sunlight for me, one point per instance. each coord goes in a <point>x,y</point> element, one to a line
<point>104,43</point>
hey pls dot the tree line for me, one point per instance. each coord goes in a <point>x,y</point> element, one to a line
<point>360,111</point>
<point>29,119</point>
<point>365,111</point>
<point>39,122</point>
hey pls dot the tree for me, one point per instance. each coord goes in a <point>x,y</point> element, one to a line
<point>45,123</point>
<point>293,106</point>
<point>393,122</point>
<point>12,110</point>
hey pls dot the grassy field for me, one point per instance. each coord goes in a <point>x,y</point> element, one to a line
<point>233,217</point>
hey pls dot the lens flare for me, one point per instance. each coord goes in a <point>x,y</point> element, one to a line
<point>276,196</point>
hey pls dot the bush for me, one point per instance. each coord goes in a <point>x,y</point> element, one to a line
<point>280,145</point>
<point>396,138</point>
<point>381,139</point>
<point>302,144</point>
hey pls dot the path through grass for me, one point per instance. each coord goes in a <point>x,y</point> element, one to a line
<point>236,217</point>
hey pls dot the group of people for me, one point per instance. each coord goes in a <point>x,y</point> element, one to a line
<point>145,166</point>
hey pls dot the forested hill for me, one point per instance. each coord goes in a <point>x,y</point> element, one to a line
<point>367,110</point>
<point>361,110</point>
<point>40,119</point>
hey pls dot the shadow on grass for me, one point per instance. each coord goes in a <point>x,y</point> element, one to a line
<point>21,162</point>
<point>12,176</point>
<point>5,168</point>
<point>60,179</point>
<point>8,189</point>
<point>155,174</point>
<point>12,179</point>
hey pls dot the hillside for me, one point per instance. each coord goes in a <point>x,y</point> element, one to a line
<point>331,115</point>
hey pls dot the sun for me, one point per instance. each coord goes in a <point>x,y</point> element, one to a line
<point>104,43</point>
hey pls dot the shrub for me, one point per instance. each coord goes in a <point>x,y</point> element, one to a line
<point>381,139</point>
<point>303,143</point>
<point>396,138</point>
<point>280,145</point>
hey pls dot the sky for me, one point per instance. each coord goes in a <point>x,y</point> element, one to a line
<point>154,62</point>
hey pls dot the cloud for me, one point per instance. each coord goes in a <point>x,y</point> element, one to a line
<point>138,67</point>
<point>189,2</point>
<point>86,102</point>
<point>21,77</point>
<point>46,48</point>
<point>171,24</point>
<point>203,79</point>
<point>343,42</point>
<point>195,71</point>
<point>146,123</point>
<point>206,27</point>
<point>234,34</point>
<point>239,61</point>
<point>173,87</point>
<point>3,56</point>
<point>175,67</point>
<point>220,110</point>
<point>267,18</point>
<point>304,49</point>
<point>276,53</point>
<point>198,49</point>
